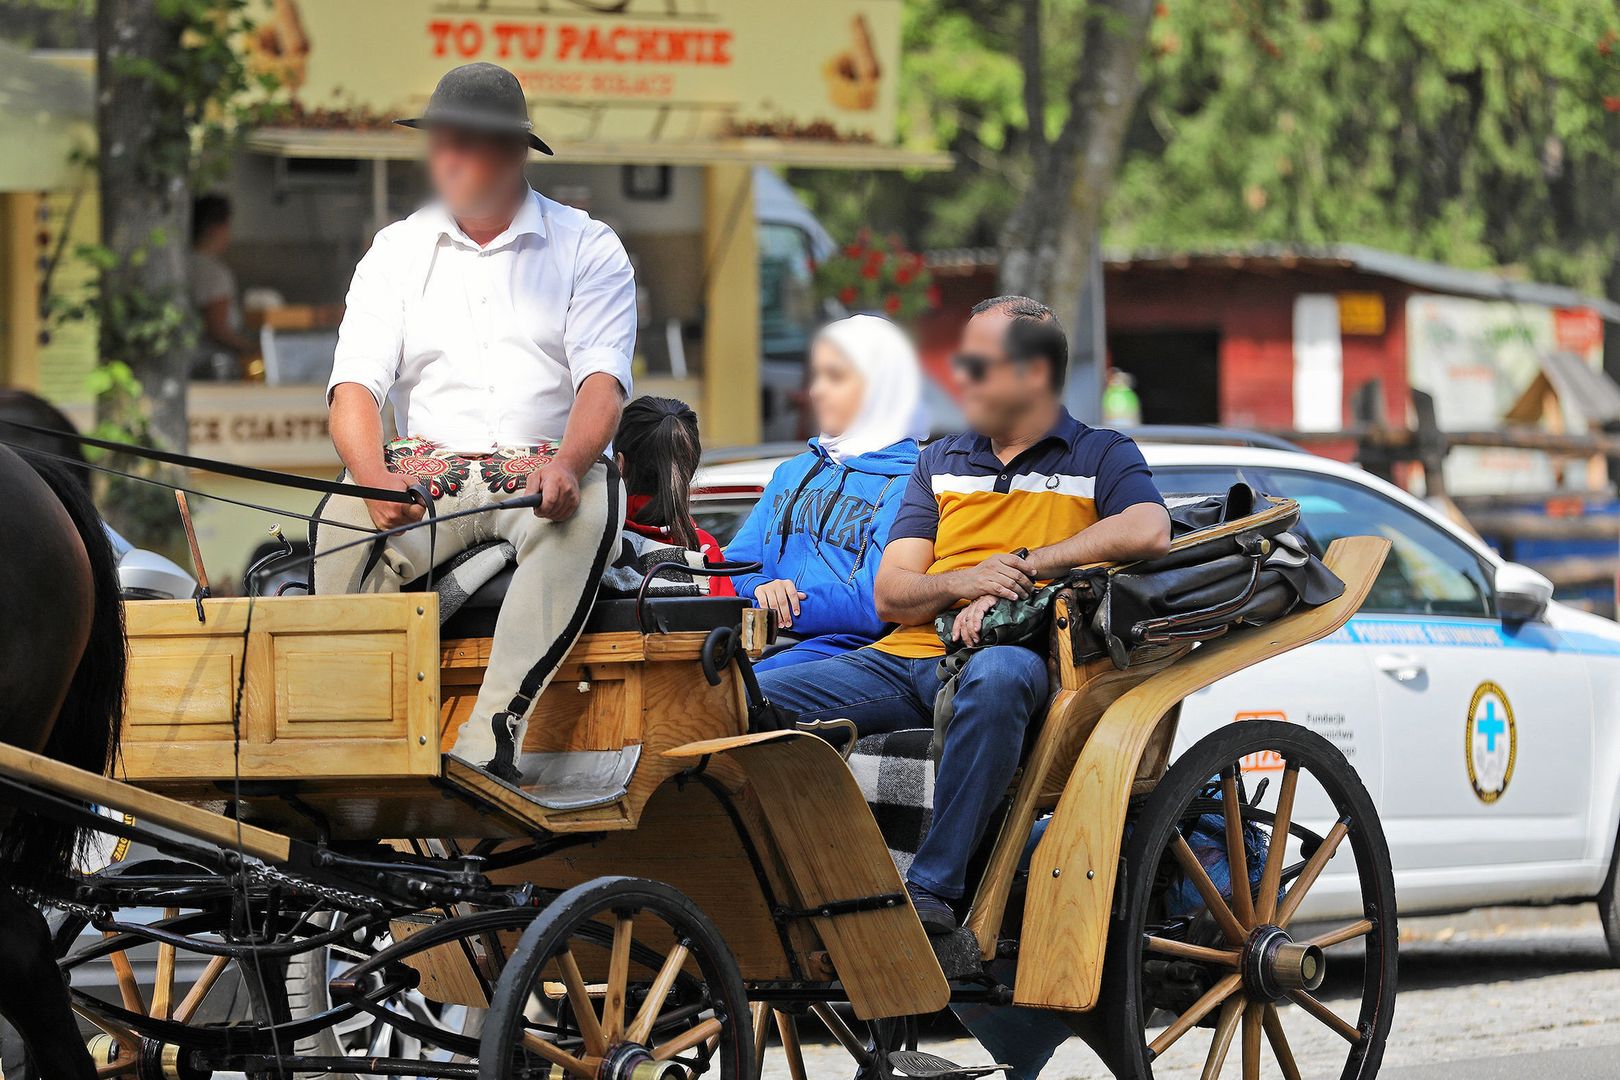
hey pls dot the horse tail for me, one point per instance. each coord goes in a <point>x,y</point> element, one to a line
<point>87,727</point>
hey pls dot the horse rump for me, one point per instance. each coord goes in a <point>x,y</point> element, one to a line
<point>35,850</point>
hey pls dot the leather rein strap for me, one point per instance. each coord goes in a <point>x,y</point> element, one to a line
<point>226,468</point>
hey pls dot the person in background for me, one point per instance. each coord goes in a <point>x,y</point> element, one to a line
<point>1121,407</point>
<point>822,522</point>
<point>214,293</point>
<point>657,451</point>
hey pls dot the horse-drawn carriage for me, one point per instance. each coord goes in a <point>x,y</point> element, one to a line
<point>666,885</point>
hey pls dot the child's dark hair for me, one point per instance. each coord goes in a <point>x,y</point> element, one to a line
<point>659,440</point>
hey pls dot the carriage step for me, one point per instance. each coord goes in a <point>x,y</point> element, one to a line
<point>958,953</point>
<point>921,1066</point>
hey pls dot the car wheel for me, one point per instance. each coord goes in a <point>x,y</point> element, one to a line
<point>1608,903</point>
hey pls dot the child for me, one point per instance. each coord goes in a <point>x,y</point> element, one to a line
<point>657,450</point>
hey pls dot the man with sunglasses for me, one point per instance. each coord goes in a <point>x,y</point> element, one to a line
<point>1025,494</point>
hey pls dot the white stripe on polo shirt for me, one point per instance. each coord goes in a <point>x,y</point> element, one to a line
<point>1084,487</point>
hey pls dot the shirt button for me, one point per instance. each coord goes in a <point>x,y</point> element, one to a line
<point>1004,476</point>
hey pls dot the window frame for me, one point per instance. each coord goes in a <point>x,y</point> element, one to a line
<point>1487,573</point>
<point>1269,474</point>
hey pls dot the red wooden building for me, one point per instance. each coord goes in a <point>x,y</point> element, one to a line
<point>1283,337</point>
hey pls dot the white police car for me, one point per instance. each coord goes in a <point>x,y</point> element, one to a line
<point>1483,716</point>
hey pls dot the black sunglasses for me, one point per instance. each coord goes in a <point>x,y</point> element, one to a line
<point>974,366</point>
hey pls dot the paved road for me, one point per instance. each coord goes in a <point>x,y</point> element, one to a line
<point>1491,995</point>
<point>1593,1063</point>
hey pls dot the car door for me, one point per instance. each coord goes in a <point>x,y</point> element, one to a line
<point>1487,726</point>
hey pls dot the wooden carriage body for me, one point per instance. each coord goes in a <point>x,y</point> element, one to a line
<point>347,702</point>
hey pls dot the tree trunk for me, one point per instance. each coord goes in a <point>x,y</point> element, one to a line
<point>1046,244</point>
<point>145,204</point>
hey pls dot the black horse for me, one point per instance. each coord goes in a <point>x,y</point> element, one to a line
<point>62,666</point>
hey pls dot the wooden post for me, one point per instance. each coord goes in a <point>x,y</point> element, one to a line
<point>19,300</point>
<point>731,346</point>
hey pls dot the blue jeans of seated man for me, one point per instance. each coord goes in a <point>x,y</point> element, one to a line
<point>997,693</point>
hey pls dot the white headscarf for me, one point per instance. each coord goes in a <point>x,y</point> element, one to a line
<point>891,407</point>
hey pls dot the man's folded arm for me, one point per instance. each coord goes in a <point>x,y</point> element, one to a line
<point>1141,531</point>
<point>908,595</point>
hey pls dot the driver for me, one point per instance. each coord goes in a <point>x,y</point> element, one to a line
<point>499,325</point>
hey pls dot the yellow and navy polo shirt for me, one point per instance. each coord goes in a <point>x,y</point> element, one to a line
<point>972,506</point>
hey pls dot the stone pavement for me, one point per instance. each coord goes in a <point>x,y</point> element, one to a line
<point>1499,993</point>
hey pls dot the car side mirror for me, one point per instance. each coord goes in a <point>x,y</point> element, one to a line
<point>1522,594</point>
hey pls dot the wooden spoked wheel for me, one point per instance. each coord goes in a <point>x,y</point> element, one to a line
<point>1220,973</point>
<point>619,979</point>
<point>162,982</point>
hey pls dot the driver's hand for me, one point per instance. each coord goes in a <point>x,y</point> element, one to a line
<point>558,489</point>
<point>391,515</point>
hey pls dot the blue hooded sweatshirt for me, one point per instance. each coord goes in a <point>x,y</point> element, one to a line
<point>823,525</point>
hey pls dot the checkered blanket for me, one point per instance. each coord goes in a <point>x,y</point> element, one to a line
<point>457,580</point>
<point>897,778</point>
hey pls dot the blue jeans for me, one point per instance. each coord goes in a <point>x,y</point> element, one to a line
<point>997,693</point>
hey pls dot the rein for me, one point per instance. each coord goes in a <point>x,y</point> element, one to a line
<point>225,468</point>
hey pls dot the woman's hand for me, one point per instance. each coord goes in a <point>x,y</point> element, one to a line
<point>970,620</point>
<point>782,597</point>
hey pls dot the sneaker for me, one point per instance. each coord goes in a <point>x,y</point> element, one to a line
<point>503,766</point>
<point>936,913</point>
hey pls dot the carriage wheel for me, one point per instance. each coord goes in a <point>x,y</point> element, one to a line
<point>164,983</point>
<point>1196,972</point>
<point>618,979</point>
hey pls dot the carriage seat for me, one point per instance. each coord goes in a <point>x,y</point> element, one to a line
<point>666,614</point>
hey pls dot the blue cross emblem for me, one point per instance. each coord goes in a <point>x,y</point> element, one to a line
<point>1490,726</point>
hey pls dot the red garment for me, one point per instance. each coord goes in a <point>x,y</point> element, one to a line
<point>712,554</point>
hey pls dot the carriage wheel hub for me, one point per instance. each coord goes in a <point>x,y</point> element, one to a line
<point>1274,963</point>
<point>631,1061</point>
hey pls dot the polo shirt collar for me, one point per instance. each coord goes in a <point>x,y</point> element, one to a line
<point>529,221</point>
<point>1066,429</point>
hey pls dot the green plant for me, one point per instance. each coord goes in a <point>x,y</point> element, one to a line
<point>878,276</point>
<point>176,95</point>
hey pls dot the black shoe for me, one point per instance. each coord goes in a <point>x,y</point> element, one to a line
<point>503,766</point>
<point>936,913</point>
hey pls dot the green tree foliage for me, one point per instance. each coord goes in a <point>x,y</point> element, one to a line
<point>1473,132</point>
<point>961,88</point>
<point>1480,133</point>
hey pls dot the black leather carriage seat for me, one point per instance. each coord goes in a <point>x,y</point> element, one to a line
<point>668,614</point>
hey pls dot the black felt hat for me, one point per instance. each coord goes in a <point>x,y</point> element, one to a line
<point>479,97</point>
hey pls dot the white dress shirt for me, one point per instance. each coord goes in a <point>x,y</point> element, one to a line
<point>483,347</point>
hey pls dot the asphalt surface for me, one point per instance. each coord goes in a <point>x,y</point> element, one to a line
<point>1499,994</point>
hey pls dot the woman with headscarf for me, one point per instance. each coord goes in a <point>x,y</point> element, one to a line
<point>823,520</point>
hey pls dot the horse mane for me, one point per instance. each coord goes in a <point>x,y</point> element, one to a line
<point>34,849</point>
